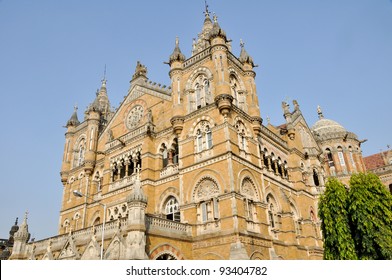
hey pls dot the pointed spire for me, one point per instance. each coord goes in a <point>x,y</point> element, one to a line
<point>101,102</point>
<point>23,232</point>
<point>207,20</point>
<point>177,54</point>
<point>320,112</point>
<point>73,121</point>
<point>103,83</point>
<point>217,31</point>
<point>244,56</point>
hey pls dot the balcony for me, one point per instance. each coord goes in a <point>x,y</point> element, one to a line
<point>169,170</point>
<point>122,183</point>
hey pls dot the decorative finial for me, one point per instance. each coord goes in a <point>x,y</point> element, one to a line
<point>104,78</point>
<point>268,120</point>
<point>26,213</point>
<point>76,107</point>
<point>206,13</point>
<point>177,41</point>
<point>215,18</point>
<point>16,221</point>
<point>242,44</point>
<point>320,112</point>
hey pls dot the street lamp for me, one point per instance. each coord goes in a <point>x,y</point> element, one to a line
<point>79,194</point>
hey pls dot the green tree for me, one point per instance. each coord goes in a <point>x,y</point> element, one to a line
<point>370,216</point>
<point>338,241</point>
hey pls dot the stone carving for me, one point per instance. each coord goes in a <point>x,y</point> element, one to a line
<point>207,188</point>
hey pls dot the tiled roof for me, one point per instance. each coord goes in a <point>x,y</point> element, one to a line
<point>375,161</point>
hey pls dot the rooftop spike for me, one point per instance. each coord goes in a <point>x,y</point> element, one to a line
<point>320,112</point>
<point>73,121</point>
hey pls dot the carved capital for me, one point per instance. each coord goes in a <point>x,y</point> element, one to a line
<point>178,124</point>
<point>224,103</point>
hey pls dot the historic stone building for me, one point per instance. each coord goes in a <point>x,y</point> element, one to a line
<point>189,171</point>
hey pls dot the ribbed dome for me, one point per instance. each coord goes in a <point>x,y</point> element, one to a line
<point>326,126</point>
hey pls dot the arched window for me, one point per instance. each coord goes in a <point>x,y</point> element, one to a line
<point>234,89</point>
<point>79,153</point>
<point>273,163</point>
<point>265,158</point>
<point>297,224</point>
<point>208,137</point>
<point>172,209</point>
<point>316,178</point>
<point>66,225</point>
<point>329,157</point>
<point>175,151</point>
<point>280,166</point>
<point>341,156</point>
<point>203,137</point>
<point>242,137</point>
<point>352,158</point>
<point>249,192</point>
<point>207,93</point>
<point>285,171</point>
<point>97,221</point>
<point>272,212</point>
<point>205,195</point>
<point>199,140</point>
<point>198,96</point>
<point>165,156</point>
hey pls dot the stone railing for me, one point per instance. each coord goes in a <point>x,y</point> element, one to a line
<point>124,182</point>
<point>169,170</point>
<point>155,223</point>
<point>196,58</point>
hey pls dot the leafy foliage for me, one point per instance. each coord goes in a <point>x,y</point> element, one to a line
<point>370,214</point>
<point>338,242</point>
<point>357,223</point>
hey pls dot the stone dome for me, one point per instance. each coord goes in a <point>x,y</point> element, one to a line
<point>326,127</point>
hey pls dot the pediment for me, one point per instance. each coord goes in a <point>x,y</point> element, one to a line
<point>92,251</point>
<point>116,248</point>
<point>69,251</point>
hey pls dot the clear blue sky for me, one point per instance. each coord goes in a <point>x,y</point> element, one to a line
<point>52,54</point>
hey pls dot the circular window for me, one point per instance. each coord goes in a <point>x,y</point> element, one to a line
<point>134,117</point>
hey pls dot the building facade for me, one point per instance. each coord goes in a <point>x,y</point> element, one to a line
<point>190,171</point>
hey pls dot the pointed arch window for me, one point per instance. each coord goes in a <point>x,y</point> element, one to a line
<point>79,153</point>
<point>341,156</point>
<point>198,96</point>
<point>234,89</point>
<point>199,140</point>
<point>208,137</point>
<point>272,212</point>
<point>165,156</point>
<point>203,137</point>
<point>329,157</point>
<point>316,178</point>
<point>175,151</point>
<point>201,95</point>
<point>82,151</point>
<point>207,94</point>
<point>172,209</point>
